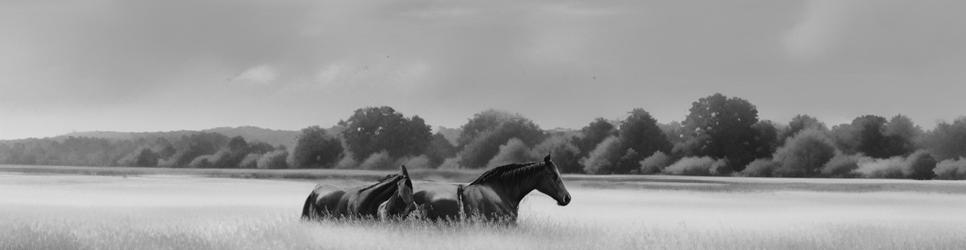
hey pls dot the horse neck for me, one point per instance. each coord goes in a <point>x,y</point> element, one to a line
<point>380,193</point>
<point>513,190</point>
<point>395,204</point>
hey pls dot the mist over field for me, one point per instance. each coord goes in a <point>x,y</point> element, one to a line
<point>179,212</point>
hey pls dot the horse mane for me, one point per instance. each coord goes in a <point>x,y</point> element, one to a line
<point>391,178</point>
<point>509,171</point>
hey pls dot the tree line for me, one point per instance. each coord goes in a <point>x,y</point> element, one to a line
<point>721,136</point>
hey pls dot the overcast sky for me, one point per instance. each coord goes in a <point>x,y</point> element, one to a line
<point>133,65</point>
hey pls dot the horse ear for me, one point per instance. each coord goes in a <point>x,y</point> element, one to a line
<point>402,169</point>
<point>547,158</point>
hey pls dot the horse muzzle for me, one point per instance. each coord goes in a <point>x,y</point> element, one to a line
<point>564,201</point>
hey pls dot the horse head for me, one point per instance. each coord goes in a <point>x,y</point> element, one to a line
<point>551,184</point>
<point>405,190</point>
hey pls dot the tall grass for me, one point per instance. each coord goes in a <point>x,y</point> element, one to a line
<point>109,212</point>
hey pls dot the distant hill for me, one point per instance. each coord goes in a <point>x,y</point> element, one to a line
<point>250,133</point>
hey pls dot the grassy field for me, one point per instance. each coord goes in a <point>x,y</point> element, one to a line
<point>124,208</point>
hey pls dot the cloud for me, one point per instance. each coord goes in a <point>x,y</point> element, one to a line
<point>261,74</point>
<point>878,34</point>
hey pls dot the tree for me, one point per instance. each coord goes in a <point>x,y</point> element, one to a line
<point>231,156</point>
<point>948,140</point>
<point>901,134</point>
<point>639,132</point>
<point>593,134</point>
<point>198,144</point>
<point>315,149</point>
<point>167,152</point>
<point>563,151</point>
<point>257,147</point>
<point>799,123</point>
<point>484,142</point>
<point>766,139</point>
<point>439,149</point>
<point>674,132</point>
<point>482,122</point>
<point>869,139</point>
<point>629,161</point>
<point>722,128</point>
<point>146,158</point>
<point>375,129</point>
<point>875,137</point>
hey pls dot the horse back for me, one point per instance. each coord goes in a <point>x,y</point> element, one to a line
<point>324,205</point>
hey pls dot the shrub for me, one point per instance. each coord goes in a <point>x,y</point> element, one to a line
<point>760,168</point>
<point>203,161</point>
<point>720,168</point>
<point>348,161</point>
<point>602,160</point>
<point>418,162</point>
<point>563,151</point>
<point>514,150</point>
<point>450,163</point>
<point>691,166</point>
<point>843,166</point>
<point>951,169</point>
<point>379,160</point>
<point>250,161</point>
<point>919,166</point>
<point>655,163</point>
<point>881,168</point>
<point>273,160</point>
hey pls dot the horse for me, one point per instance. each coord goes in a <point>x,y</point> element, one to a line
<point>495,195</point>
<point>390,198</point>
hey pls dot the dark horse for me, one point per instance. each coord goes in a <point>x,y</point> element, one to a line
<point>495,195</point>
<point>393,195</point>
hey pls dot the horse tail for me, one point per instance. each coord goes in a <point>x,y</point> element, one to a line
<point>307,213</point>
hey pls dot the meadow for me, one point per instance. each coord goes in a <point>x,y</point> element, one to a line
<point>130,208</point>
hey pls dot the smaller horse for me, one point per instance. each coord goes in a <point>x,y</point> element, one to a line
<point>390,198</point>
<point>495,195</point>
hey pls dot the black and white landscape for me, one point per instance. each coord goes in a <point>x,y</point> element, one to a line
<point>210,124</point>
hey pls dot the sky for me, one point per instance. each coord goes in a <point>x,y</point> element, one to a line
<point>132,65</point>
